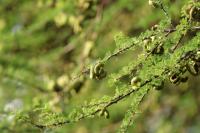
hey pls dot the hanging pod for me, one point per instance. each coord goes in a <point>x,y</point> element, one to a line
<point>187,55</point>
<point>193,67</point>
<point>135,83</point>
<point>105,113</point>
<point>174,78</point>
<point>183,69</point>
<point>98,68</point>
<point>195,14</point>
<point>154,28</point>
<point>97,71</point>
<point>197,56</point>
<point>92,74</point>
<point>147,42</point>
<point>102,75</point>
<point>159,49</point>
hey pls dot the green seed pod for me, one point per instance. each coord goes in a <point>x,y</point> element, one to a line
<point>97,71</point>
<point>158,50</point>
<point>92,72</point>
<point>183,69</point>
<point>101,112</point>
<point>146,44</point>
<point>146,41</point>
<point>98,68</point>
<point>88,48</point>
<point>193,68</point>
<point>105,113</point>
<point>155,27</point>
<point>197,56</point>
<point>186,55</point>
<point>102,75</point>
<point>174,78</point>
<point>135,83</point>
<point>195,14</point>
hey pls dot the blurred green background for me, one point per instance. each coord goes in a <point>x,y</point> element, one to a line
<point>45,41</point>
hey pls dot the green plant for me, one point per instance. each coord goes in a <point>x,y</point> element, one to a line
<point>167,52</point>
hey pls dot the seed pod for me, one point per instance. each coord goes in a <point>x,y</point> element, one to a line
<point>146,45</point>
<point>135,83</point>
<point>92,72</point>
<point>103,75</point>
<point>195,14</point>
<point>100,73</point>
<point>98,68</point>
<point>197,56</point>
<point>174,78</point>
<point>183,69</point>
<point>158,50</point>
<point>155,27</point>
<point>193,68</point>
<point>186,55</point>
<point>97,71</point>
<point>153,38</point>
<point>105,113</point>
<point>88,48</point>
<point>146,41</point>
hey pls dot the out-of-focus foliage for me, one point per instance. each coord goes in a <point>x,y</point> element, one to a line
<point>46,44</point>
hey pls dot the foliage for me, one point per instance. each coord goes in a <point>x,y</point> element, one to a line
<point>52,56</point>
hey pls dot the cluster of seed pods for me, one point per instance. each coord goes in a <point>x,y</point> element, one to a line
<point>97,71</point>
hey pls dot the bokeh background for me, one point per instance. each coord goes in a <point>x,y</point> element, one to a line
<point>43,42</point>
